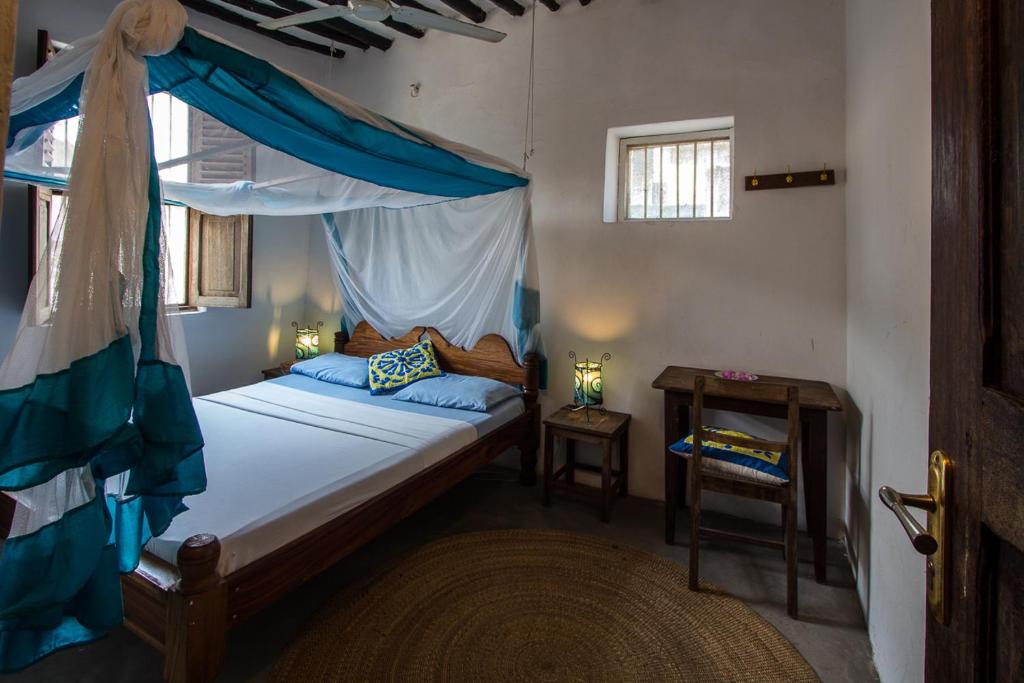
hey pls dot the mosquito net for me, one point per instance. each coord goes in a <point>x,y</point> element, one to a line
<point>99,444</point>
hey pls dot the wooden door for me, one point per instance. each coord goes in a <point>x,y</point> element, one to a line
<point>977,344</point>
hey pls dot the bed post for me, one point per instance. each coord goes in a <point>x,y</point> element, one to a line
<point>7,506</point>
<point>531,443</point>
<point>196,615</point>
<point>340,339</point>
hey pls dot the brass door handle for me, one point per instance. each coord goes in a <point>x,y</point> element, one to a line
<point>923,542</point>
<point>935,540</point>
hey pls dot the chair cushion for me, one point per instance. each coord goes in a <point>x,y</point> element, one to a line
<point>395,369</point>
<point>765,467</point>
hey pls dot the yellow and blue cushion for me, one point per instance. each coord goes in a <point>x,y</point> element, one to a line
<point>399,368</point>
<point>770,467</point>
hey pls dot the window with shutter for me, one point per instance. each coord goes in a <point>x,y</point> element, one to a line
<point>220,154</point>
<point>220,247</point>
<point>208,258</point>
<point>220,274</point>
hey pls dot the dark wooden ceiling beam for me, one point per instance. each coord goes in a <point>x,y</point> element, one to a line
<point>227,16</point>
<point>467,9</point>
<point>550,4</point>
<point>342,26</point>
<point>317,28</point>
<point>510,6</point>
<point>404,28</point>
<point>413,3</point>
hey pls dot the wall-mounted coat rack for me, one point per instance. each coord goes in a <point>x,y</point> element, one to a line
<point>780,181</point>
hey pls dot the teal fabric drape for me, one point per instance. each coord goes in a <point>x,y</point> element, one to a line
<point>60,585</point>
<point>262,102</point>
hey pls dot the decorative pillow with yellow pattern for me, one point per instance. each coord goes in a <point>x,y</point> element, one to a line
<point>399,368</point>
<point>770,467</point>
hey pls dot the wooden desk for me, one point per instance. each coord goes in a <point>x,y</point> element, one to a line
<point>817,399</point>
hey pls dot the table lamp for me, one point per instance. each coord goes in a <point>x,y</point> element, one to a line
<point>588,385</point>
<point>307,341</point>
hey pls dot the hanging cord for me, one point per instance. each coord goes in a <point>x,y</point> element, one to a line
<point>330,68</point>
<point>529,130</point>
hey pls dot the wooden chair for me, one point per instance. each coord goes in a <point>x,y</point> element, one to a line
<point>701,478</point>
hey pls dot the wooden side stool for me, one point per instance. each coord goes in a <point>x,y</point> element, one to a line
<point>280,371</point>
<point>606,429</point>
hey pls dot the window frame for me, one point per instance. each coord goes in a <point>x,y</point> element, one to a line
<point>47,49</point>
<point>710,135</point>
<point>38,196</point>
<point>39,241</point>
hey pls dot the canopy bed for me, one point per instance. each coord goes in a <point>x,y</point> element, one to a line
<point>190,588</point>
<point>102,449</point>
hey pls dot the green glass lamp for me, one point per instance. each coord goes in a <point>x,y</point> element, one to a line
<point>588,384</point>
<point>307,341</point>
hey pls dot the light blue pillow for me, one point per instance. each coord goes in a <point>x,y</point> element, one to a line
<point>458,391</point>
<point>336,368</point>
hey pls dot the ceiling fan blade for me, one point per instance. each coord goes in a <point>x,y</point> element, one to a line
<point>319,14</point>
<point>417,17</point>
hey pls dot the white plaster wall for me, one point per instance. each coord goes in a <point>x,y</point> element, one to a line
<point>764,291</point>
<point>226,347</point>
<point>888,226</point>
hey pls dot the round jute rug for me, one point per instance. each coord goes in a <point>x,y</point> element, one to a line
<point>537,606</point>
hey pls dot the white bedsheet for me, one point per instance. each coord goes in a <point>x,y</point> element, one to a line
<point>280,462</point>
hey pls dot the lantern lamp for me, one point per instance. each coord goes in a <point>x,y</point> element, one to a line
<point>588,384</point>
<point>307,341</point>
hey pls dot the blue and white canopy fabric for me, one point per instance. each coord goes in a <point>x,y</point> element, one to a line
<point>99,443</point>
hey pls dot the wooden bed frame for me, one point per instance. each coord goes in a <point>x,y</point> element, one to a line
<point>185,611</point>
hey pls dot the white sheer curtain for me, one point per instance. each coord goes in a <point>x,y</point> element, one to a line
<point>459,266</point>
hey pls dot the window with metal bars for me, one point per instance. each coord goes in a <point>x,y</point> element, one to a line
<point>676,177</point>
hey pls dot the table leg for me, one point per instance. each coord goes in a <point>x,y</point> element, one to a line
<point>684,429</point>
<point>624,463</point>
<point>671,471</point>
<point>606,481</point>
<point>815,472</point>
<point>677,425</point>
<point>549,461</point>
<point>570,461</point>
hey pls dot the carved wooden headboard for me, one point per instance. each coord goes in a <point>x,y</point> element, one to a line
<point>491,357</point>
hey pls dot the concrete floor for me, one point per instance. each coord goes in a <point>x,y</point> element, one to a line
<point>830,634</point>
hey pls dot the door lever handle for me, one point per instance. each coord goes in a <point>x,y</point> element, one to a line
<point>923,542</point>
<point>935,540</point>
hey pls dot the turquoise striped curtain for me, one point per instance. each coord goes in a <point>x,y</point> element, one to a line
<point>98,439</point>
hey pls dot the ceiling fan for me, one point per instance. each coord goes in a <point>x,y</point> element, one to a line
<point>379,10</point>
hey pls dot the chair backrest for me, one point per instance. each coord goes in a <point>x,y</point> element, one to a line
<point>784,394</point>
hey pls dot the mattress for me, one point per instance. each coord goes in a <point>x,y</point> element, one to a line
<point>286,456</point>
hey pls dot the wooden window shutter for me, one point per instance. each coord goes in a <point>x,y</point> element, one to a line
<point>232,164</point>
<point>220,247</point>
<point>220,260</point>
